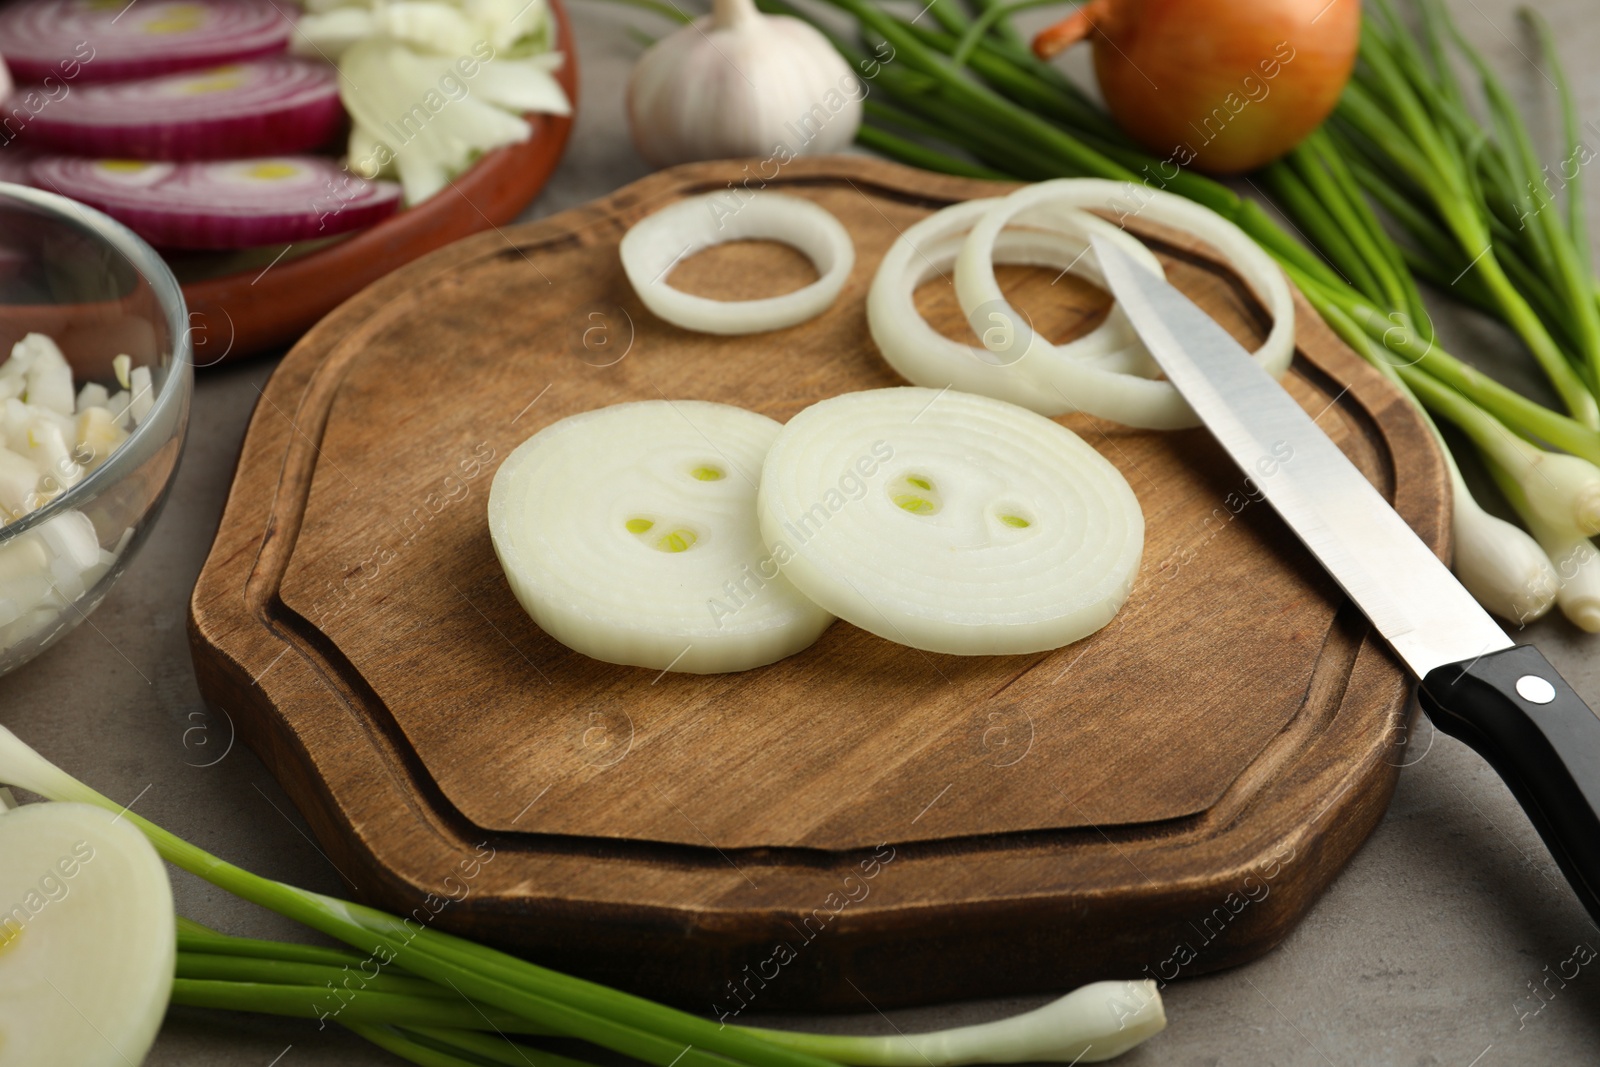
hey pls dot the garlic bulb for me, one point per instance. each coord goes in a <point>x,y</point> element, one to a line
<point>740,83</point>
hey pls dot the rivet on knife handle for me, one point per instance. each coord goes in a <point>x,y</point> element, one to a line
<point>1525,720</point>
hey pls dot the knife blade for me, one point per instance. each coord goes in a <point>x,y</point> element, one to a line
<point>1506,702</point>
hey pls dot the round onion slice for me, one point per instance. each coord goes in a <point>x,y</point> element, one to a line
<point>270,107</point>
<point>16,165</point>
<point>926,357</point>
<point>236,204</point>
<point>85,41</point>
<point>629,534</point>
<point>950,522</point>
<point>657,243</point>
<point>87,940</point>
<point>1125,398</point>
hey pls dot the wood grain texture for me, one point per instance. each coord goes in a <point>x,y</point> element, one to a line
<point>1164,798</point>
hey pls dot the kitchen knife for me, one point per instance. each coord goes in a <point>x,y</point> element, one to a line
<point>1503,700</point>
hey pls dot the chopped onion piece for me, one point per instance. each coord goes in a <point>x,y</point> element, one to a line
<point>92,395</point>
<point>1134,401</point>
<point>525,85</point>
<point>87,947</point>
<point>98,436</point>
<point>47,377</point>
<point>44,450</point>
<point>18,479</point>
<point>45,444</point>
<point>950,522</point>
<point>327,34</point>
<point>434,26</point>
<point>383,83</point>
<point>657,243</point>
<point>926,357</point>
<point>629,534</point>
<point>118,406</point>
<point>144,397</point>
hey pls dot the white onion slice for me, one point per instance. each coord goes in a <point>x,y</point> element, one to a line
<point>1134,401</point>
<point>924,356</point>
<point>656,244</point>
<point>629,534</point>
<point>87,943</point>
<point>950,522</point>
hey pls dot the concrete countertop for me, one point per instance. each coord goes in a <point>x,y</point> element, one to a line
<point>1426,951</point>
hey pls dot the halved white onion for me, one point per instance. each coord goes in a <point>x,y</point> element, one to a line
<point>1134,401</point>
<point>629,534</point>
<point>926,357</point>
<point>950,522</point>
<point>87,940</point>
<point>657,243</point>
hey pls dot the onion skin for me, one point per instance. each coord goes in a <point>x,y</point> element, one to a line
<point>1216,85</point>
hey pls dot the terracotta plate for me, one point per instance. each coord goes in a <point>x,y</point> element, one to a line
<point>268,305</point>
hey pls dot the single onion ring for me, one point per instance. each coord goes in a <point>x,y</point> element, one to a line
<point>655,244</point>
<point>1140,402</point>
<point>926,357</point>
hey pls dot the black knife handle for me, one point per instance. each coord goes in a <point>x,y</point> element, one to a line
<point>1523,718</point>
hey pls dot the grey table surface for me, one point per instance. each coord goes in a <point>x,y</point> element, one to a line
<point>1426,951</point>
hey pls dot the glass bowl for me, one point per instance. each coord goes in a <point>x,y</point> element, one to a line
<point>99,292</point>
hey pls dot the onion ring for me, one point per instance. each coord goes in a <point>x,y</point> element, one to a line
<point>655,244</point>
<point>926,357</point>
<point>1150,404</point>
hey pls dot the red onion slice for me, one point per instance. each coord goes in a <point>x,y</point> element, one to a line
<point>16,165</point>
<point>223,205</point>
<point>93,41</point>
<point>273,106</point>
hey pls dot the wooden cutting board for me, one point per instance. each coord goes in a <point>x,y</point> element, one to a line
<point>859,823</point>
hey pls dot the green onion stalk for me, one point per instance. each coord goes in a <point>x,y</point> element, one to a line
<point>434,998</point>
<point>1403,154</point>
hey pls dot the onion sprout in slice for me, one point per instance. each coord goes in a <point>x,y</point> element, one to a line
<point>950,522</point>
<point>657,243</point>
<point>86,942</point>
<point>629,533</point>
<point>1124,398</point>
